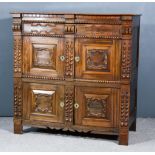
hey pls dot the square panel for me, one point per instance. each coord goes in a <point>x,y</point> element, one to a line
<point>44,56</point>
<point>97,60</point>
<point>43,101</point>
<point>96,106</point>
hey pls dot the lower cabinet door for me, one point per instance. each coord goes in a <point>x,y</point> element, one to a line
<point>96,106</point>
<point>43,102</point>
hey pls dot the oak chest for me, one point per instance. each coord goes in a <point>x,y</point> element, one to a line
<point>76,72</point>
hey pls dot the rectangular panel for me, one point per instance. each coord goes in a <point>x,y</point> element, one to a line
<point>96,106</point>
<point>98,59</point>
<point>43,28</point>
<point>98,30</point>
<point>42,56</point>
<point>43,102</point>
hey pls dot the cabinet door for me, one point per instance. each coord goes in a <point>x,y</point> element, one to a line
<point>97,59</point>
<point>43,102</point>
<point>96,106</point>
<point>41,56</point>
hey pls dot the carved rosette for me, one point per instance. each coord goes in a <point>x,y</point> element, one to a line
<point>69,52</point>
<point>126,59</point>
<point>124,107</point>
<point>69,99</point>
<point>17,98</point>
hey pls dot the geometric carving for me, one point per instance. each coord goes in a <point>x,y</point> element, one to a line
<point>43,101</point>
<point>97,59</point>
<point>17,98</point>
<point>43,28</point>
<point>69,61</point>
<point>124,114</point>
<point>44,56</point>
<point>69,28</point>
<point>69,100</point>
<point>126,59</point>
<point>96,106</point>
<point>17,54</point>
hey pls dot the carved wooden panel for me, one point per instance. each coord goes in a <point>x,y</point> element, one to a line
<point>95,106</point>
<point>98,31</point>
<point>98,59</point>
<point>43,101</point>
<point>43,29</point>
<point>42,57</point>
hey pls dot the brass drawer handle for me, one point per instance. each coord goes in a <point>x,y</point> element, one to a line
<point>62,58</point>
<point>77,58</point>
<point>76,105</point>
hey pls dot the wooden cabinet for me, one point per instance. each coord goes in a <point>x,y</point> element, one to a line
<point>76,72</point>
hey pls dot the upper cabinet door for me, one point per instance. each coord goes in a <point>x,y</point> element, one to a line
<point>43,56</point>
<point>97,59</point>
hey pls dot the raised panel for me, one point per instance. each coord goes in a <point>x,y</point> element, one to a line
<point>97,106</point>
<point>44,56</point>
<point>43,28</point>
<point>41,56</point>
<point>43,102</point>
<point>98,30</point>
<point>98,59</point>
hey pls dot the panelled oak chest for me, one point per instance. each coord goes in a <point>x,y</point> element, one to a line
<point>76,72</point>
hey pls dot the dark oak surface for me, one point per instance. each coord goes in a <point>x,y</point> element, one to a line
<point>76,72</point>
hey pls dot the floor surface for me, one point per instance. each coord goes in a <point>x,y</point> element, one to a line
<point>33,140</point>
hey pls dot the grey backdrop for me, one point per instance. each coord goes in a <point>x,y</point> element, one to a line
<point>146,83</point>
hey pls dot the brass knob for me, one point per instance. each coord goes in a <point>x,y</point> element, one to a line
<point>77,58</point>
<point>61,104</point>
<point>76,105</point>
<point>62,58</point>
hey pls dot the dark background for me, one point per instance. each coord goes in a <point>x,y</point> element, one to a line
<point>146,83</point>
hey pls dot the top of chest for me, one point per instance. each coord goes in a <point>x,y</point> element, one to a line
<point>77,18</point>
